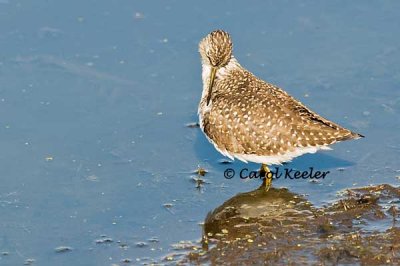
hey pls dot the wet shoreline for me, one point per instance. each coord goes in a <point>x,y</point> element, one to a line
<point>280,227</point>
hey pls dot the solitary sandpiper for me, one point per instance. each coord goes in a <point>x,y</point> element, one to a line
<point>252,120</point>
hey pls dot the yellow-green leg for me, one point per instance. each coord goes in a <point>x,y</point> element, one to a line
<point>267,181</point>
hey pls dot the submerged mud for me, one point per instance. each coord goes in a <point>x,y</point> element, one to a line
<point>281,227</point>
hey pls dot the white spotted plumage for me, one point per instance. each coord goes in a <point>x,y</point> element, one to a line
<point>251,120</point>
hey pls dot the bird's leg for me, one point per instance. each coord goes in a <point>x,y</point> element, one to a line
<point>266,173</point>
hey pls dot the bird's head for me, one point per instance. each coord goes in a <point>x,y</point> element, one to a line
<point>216,49</point>
<point>216,52</point>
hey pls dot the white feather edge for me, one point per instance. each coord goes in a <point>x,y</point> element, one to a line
<point>272,159</point>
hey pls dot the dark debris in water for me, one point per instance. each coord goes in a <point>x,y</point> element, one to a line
<point>199,181</point>
<point>104,240</point>
<point>168,205</point>
<point>225,161</point>
<point>62,249</point>
<point>183,245</point>
<point>192,125</point>
<point>123,246</point>
<point>153,240</point>
<point>279,227</point>
<point>141,244</point>
<point>201,171</point>
<point>29,261</point>
<point>171,257</point>
<point>126,260</point>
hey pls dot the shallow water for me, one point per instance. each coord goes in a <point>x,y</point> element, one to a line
<point>95,97</point>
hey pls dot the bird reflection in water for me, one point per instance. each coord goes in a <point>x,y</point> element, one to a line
<point>242,219</point>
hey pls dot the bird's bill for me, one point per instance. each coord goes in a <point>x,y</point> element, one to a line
<point>210,85</point>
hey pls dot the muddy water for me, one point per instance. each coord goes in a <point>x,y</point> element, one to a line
<point>281,227</point>
<point>97,161</point>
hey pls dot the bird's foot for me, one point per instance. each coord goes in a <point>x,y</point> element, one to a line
<point>266,173</point>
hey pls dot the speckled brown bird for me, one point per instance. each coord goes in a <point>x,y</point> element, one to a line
<point>254,121</point>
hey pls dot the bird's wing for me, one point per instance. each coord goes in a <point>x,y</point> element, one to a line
<point>264,118</point>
